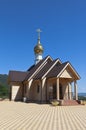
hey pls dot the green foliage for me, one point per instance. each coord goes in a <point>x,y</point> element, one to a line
<point>54,102</point>
<point>83,102</point>
<point>81,98</point>
<point>4,88</point>
<point>3,91</point>
<point>3,79</point>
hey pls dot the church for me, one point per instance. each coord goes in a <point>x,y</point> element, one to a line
<point>46,80</point>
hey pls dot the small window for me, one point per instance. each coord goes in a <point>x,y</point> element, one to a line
<point>38,87</point>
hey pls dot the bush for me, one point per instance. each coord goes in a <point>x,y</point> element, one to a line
<point>82,102</point>
<point>55,103</point>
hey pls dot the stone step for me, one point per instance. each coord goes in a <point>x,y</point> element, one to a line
<point>70,102</point>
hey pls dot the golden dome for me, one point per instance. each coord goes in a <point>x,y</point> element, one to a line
<point>38,49</point>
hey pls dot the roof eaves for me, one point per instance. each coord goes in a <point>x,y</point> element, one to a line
<point>17,76</point>
<point>49,57</point>
<point>40,67</point>
<point>68,63</point>
<point>74,70</point>
<point>62,69</point>
<point>57,60</point>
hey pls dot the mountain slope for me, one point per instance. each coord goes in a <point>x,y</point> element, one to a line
<point>3,79</point>
<point>4,88</point>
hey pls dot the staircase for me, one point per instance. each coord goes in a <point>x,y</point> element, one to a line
<point>70,103</point>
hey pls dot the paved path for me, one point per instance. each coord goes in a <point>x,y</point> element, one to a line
<point>30,116</point>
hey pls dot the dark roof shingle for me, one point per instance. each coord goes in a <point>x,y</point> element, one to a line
<point>45,69</point>
<point>35,68</point>
<point>17,76</point>
<point>56,70</point>
<point>20,76</point>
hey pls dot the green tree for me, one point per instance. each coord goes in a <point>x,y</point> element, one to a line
<point>3,91</point>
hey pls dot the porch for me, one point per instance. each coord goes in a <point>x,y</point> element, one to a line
<point>43,91</point>
<point>61,89</point>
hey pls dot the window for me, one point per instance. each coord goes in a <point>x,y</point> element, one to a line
<point>38,87</point>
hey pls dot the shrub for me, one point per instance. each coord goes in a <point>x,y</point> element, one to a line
<point>82,102</point>
<point>55,103</point>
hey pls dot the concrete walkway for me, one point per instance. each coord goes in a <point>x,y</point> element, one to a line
<point>30,116</point>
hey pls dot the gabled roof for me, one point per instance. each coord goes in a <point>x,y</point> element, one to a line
<point>45,68</point>
<point>73,69</point>
<point>49,65</point>
<point>17,76</point>
<point>58,70</point>
<point>37,67</point>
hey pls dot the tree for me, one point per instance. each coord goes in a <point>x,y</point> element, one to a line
<point>3,91</point>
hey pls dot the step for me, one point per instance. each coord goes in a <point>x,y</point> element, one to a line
<point>70,102</point>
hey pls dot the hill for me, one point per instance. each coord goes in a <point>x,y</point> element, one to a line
<point>4,88</point>
<point>82,94</point>
<point>3,79</point>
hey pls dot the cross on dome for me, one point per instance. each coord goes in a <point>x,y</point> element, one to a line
<point>38,49</point>
<point>38,31</point>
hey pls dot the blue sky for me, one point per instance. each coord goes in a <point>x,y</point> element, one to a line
<point>63,25</point>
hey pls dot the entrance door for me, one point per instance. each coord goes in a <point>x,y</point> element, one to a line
<point>52,94</point>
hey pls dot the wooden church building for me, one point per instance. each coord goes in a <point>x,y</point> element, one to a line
<point>46,80</point>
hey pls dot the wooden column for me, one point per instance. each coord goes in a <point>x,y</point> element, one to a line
<point>57,88</point>
<point>47,91</point>
<point>28,89</point>
<point>75,90</point>
<point>43,93</point>
<point>69,91</point>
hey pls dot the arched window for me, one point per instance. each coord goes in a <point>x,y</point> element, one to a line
<point>38,87</point>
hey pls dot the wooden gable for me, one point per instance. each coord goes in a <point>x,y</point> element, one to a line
<point>65,74</point>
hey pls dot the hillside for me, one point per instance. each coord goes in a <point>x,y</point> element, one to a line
<point>82,94</point>
<point>4,88</point>
<point>3,79</point>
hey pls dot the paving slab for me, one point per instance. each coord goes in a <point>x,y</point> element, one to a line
<point>31,116</point>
